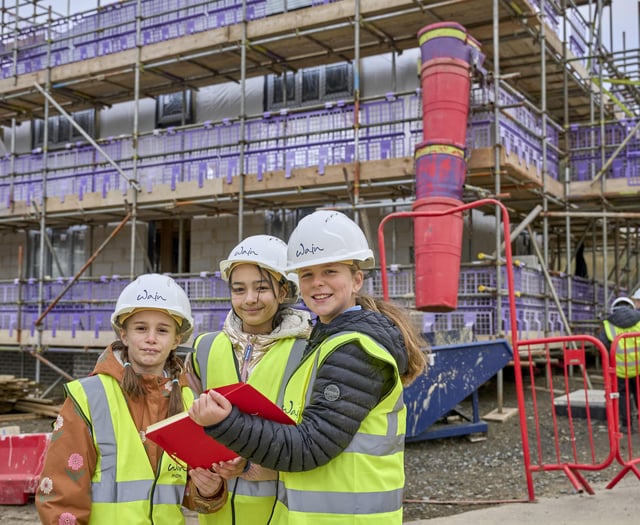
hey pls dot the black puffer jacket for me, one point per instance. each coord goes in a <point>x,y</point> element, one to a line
<point>327,426</point>
<point>621,317</point>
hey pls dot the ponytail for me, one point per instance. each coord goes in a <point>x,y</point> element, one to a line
<point>130,381</point>
<point>414,342</point>
<point>176,369</point>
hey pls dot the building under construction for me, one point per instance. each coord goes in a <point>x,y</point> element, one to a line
<point>150,135</point>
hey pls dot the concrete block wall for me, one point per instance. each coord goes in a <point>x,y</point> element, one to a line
<point>116,256</point>
<point>398,235</point>
<point>23,364</point>
<point>83,364</point>
<point>213,238</point>
<point>114,260</point>
<point>11,243</point>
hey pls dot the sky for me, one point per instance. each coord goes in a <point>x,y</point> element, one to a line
<point>624,21</point>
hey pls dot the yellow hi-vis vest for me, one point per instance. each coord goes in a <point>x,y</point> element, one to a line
<point>628,351</point>
<point>124,488</point>
<point>250,502</point>
<point>363,485</point>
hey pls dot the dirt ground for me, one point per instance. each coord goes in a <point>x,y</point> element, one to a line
<point>443,476</point>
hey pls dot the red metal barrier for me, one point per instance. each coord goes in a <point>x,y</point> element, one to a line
<point>624,370</point>
<point>559,410</point>
<point>562,437</point>
<point>21,462</point>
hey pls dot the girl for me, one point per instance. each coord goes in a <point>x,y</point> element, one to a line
<point>261,341</point>
<point>343,462</point>
<point>99,467</point>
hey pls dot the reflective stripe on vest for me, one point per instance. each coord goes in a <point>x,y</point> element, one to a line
<point>252,501</point>
<point>366,480</point>
<point>123,485</point>
<point>202,346</point>
<point>341,503</point>
<point>628,350</point>
<point>390,443</point>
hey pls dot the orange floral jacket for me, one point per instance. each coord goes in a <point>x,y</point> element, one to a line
<point>64,491</point>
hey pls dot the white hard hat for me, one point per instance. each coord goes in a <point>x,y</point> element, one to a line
<point>636,294</point>
<point>622,302</point>
<point>153,291</point>
<point>265,251</point>
<point>327,236</point>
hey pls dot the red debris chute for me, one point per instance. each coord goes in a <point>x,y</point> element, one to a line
<point>448,54</point>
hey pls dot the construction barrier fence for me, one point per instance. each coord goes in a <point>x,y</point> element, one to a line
<point>560,412</point>
<point>624,370</point>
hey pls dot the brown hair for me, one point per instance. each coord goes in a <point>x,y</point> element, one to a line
<point>414,342</point>
<point>132,386</point>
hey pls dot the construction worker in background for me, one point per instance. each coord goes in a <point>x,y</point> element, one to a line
<point>99,468</point>
<point>343,461</point>
<point>625,318</point>
<point>261,343</point>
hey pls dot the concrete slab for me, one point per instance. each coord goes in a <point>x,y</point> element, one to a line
<point>617,506</point>
<point>578,401</point>
<point>500,414</point>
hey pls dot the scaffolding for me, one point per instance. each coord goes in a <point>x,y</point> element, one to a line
<point>554,127</point>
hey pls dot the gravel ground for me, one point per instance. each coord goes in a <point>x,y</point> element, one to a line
<point>443,476</point>
<point>455,475</point>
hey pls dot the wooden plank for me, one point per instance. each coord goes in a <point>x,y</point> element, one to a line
<point>36,408</point>
<point>39,400</point>
<point>18,417</point>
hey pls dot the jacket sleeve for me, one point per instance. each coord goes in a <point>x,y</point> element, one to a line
<point>64,492</point>
<point>327,425</point>
<point>194,501</point>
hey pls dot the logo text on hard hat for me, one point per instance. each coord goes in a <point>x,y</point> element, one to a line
<point>303,250</point>
<point>146,296</point>
<point>243,251</point>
